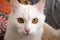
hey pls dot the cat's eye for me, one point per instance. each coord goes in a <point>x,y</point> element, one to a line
<point>20,20</point>
<point>35,20</point>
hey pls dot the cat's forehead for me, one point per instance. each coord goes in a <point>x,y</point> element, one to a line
<point>27,11</point>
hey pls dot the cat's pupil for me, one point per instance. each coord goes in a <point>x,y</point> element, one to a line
<point>20,20</point>
<point>35,20</point>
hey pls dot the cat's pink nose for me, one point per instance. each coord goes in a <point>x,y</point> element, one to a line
<point>27,30</point>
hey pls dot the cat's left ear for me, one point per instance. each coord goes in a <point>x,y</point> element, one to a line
<point>40,5</point>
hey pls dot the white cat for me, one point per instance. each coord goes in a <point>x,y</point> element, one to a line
<point>26,22</point>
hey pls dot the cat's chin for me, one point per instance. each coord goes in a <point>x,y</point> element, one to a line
<point>27,34</point>
<point>30,34</point>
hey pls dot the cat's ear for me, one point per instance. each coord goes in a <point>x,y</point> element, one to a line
<point>14,4</point>
<point>40,5</point>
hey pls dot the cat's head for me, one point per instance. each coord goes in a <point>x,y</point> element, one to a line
<point>27,19</point>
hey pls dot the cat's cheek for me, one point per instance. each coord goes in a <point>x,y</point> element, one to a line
<point>19,26</point>
<point>20,31</point>
<point>33,31</point>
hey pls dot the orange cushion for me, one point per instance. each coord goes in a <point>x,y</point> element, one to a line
<point>5,6</point>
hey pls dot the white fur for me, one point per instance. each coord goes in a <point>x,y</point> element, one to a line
<point>15,30</point>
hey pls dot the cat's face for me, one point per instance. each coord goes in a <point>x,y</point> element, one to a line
<point>28,20</point>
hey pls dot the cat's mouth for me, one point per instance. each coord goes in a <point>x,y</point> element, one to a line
<point>27,34</point>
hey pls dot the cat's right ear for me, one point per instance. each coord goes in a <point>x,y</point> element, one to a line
<point>14,4</point>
